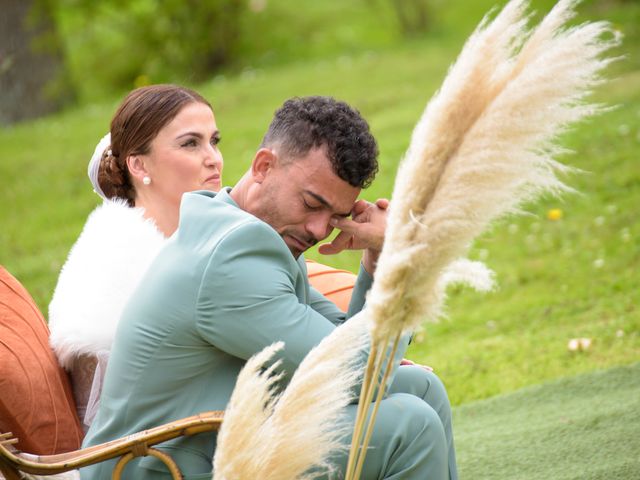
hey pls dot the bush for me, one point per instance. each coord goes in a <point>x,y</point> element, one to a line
<point>114,42</point>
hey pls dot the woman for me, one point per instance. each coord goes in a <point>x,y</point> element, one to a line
<point>163,142</point>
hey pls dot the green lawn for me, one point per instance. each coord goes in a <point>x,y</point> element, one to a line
<point>574,277</point>
<point>581,428</point>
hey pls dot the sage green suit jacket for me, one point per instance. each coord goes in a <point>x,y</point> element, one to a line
<point>224,287</point>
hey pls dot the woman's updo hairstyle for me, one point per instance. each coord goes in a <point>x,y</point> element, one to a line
<point>141,115</point>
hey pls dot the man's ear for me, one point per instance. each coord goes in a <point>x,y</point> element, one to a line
<point>263,162</point>
<point>137,167</point>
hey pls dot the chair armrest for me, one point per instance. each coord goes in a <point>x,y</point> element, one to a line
<point>137,444</point>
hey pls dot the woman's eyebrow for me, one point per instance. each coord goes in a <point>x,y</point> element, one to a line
<point>192,134</point>
<point>197,134</point>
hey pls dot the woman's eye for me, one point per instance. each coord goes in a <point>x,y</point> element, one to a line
<point>215,141</point>
<point>190,143</point>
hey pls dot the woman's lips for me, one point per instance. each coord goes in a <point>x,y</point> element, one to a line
<point>215,179</point>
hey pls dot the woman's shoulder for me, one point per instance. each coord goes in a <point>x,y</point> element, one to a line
<point>115,248</point>
<point>115,218</point>
<point>112,231</point>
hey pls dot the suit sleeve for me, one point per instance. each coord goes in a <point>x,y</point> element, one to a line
<point>328,309</point>
<point>325,307</point>
<point>247,299</point>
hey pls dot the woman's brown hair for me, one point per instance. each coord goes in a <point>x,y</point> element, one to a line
<point>141,115</point>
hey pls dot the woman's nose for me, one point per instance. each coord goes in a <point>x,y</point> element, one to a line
<point>213,157</point>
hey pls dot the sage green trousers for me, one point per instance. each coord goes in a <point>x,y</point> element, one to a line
<point>412,438</point>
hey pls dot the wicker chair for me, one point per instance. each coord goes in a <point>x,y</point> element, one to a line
<point>13,462</point>
<point>37,405</point>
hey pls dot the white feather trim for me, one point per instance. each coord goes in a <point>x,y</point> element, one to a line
<point>115,248</point>
<point>70,475</point>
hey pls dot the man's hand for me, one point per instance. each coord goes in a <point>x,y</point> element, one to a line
<point>363,231</point>
<point>406,361</point>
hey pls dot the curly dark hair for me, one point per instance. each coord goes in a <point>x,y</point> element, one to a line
<point>303,123</point>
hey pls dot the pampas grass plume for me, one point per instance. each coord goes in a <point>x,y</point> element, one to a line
<point>484,146</point>
<point>291,436</point>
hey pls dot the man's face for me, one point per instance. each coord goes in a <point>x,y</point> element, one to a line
<point>299,197</point>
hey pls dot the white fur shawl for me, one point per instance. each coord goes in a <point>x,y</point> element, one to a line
<point>104,267</point>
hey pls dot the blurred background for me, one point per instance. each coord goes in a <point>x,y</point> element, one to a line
<point>567,270</point>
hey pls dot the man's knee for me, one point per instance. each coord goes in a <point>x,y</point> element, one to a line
<point>417,381</point>
<point>407,416</point>
<point>408,438</point>
<point>408,441</point>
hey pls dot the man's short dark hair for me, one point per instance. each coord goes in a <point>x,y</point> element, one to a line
<point>311,122</point>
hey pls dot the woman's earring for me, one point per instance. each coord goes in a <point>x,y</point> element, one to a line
<point>146,180</point>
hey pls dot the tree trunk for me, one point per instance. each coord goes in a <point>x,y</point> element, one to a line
<point>33,79</point>
<point>412,15</point>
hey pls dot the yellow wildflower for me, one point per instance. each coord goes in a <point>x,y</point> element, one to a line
<point>554,214</point>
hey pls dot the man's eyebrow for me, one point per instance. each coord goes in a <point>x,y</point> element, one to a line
<point>324,202</point>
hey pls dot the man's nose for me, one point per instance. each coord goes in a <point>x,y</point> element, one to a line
<point>318,226</point>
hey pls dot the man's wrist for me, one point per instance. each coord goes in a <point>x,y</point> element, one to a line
<point>370,260</point>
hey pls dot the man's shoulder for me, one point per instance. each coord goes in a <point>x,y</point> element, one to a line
<point>237,251</point>
<point>212,221</point>
<point>210,207</point>
<point>204,214</point>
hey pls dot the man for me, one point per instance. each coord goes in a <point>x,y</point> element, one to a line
<point>232,280</point>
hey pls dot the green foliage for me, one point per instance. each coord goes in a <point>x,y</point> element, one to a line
<point>278,32</point>
<point>115,44</point>
<point>119,44</point>
<point>413,16</point>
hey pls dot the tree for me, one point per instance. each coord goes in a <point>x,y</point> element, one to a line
<point>33,78</point>
<point>117,41</point>
<point>412,15</point>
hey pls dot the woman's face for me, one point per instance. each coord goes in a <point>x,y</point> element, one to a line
<point>184,156</point>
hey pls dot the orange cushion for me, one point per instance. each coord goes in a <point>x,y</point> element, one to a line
<point>36,401</point>
<point>336,285</point>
